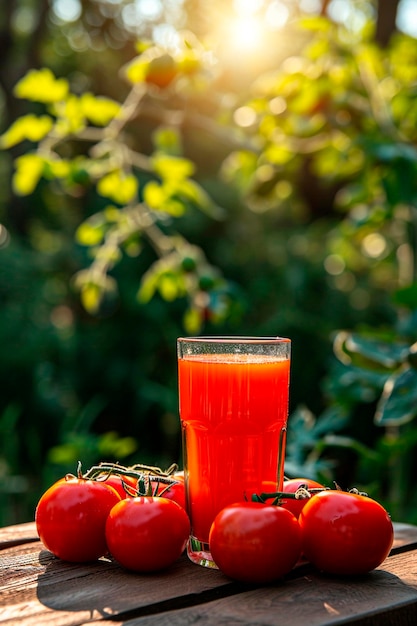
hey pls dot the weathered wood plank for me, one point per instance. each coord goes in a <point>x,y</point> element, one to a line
<point>42,589</point>
<point>36,588</point>
<point>385,597</point>
<point>404,535</point>
<point>20,533</point>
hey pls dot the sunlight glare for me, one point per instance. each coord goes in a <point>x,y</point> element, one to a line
<point>244,116</point>
<point>407,17</point>
<point>67,10</point>
<point>246,32</point>
<point>247,7</point>
<point>374,245</point>
<point>310,6</point>
<point>339,11</point>
<point>277,15</point>
<point>150,9</point>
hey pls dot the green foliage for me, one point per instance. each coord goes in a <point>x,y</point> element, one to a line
<point>143,207</point>
<point>42,86</point>
<point>341,108</point>
<point>148,191</point>
<point>28,127</point>
<point>91,448</point>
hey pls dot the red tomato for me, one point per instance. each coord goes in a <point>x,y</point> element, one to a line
<point>175,491</point>
<point>146,534</point>
<point>291,486</point>
<point>254,542</point>
<point>71,516</point>
<point>345,533</point>
<point>118,482</point>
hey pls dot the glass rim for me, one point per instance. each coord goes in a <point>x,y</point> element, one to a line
<point>234,339</point>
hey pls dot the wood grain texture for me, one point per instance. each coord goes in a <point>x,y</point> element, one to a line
<point>385,597</point>
<point>36,588</point>
<point>40,587</point>
<point>15,535</point>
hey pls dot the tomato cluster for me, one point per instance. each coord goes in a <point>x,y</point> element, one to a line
<point>140,520</point>
<point>339,532</point>
<point>83,518</point>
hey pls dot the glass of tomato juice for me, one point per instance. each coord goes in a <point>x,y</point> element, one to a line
<point>233,402</point>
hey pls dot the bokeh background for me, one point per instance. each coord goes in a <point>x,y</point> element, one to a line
<point>287,207</point>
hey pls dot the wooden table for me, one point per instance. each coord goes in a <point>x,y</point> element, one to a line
<point>36,589</point>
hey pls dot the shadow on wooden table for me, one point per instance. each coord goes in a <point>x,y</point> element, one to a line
<point>104,590</point>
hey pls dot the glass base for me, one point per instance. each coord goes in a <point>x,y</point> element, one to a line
<point>198,552</point>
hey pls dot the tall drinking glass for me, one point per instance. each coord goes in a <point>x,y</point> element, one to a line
<point>233,400</point>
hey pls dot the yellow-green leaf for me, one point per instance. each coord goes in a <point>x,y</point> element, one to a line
<point>99,110</point>
<point>148,286</point>
<point>118,186</point>
<point>154,195</point>
<point>316,23</point>
<point>71,116</point>
<point>279,155</point>
<point>111,214</point>
<point>163,198</point>
<point>89,234</point>
<point>42,86</point>
<point>142,45</point>
<point>170,167</point>
<point>239,167</point>
<point>29,169</point>
<point>136,70</point>
<point>91,297</point>
<point>28,127</point>
<point>59,168</point>
<point>192,321</point>
<point>167,140</point>
<point>173,207</point>
<point>168,287</point>
<point>110,444</point>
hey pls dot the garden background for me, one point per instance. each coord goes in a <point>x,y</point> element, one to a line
<point>184,167</point>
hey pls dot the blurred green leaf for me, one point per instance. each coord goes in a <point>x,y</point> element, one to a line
<point>57,168</point>
<point>350,443</point>
<point>29,127</point>
<point>148,286</point>
<point>398,403</point>
<point>42,86</point>
<point>70,116</point>
<point>348,384</point>
<point>90,233</point>
<point>91,297</point>
<point>29,170</point>
<point>389,354</point>
<point>316,23</point>
<point>170,286</point>
<point>278,155</point>
<point>155,195</point>
<point>406,296</point>
<point>169,167</point>
<point>167,140</point>
<point>305,439</point>
<point>118,186</point>
<point>91,448</point>
<point>239,168</point>
<point>388,152</point>
<point>99,110</point>
<point>110,444</point>
<point>193,321</point>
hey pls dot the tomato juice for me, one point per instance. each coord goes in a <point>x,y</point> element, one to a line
<point>233,410</point>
